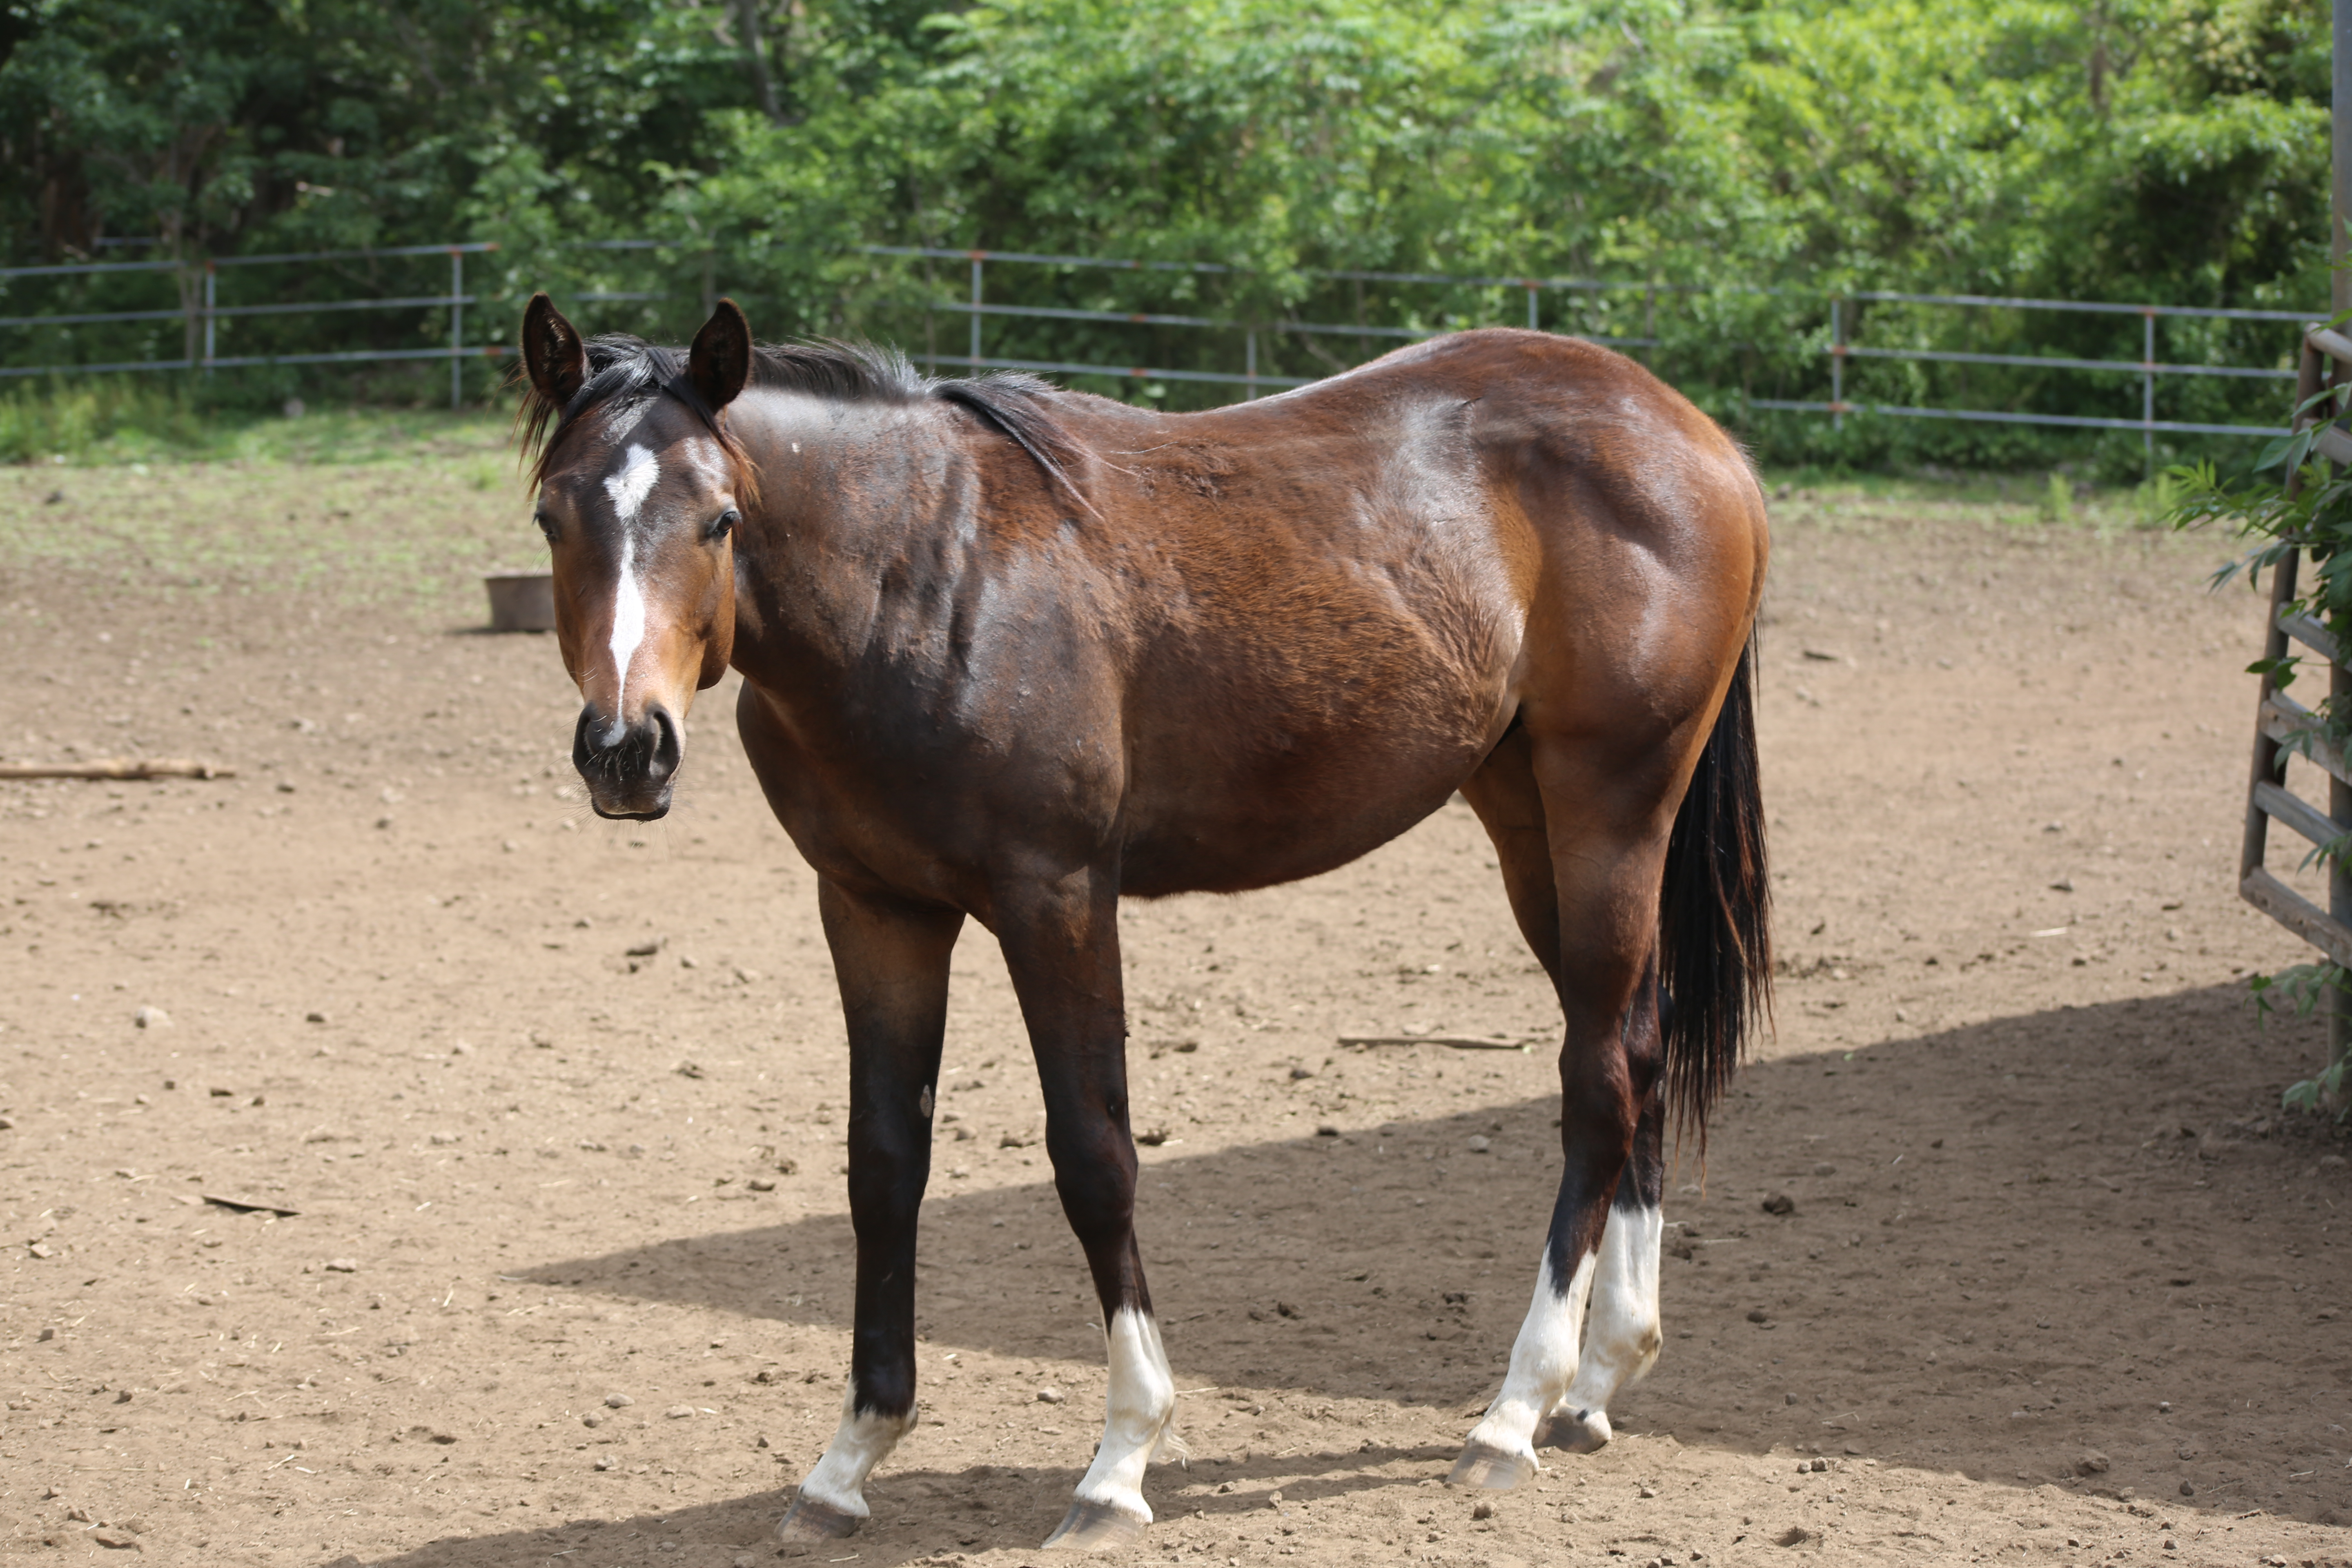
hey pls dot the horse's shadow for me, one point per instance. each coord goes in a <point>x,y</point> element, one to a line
<point>1352,1243</point>
<point>928,1513</point>
<point>1980,1245</point>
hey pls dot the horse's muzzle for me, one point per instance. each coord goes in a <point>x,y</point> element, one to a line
<point>628,768</point>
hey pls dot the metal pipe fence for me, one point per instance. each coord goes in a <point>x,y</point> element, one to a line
<point>1250,378</point>
<point>1840,350</point>
<point>2147,367</point>
<point>206,312</point>
<point>1607,304</point>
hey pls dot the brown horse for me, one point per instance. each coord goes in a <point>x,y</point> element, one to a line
<point>1011,653</point>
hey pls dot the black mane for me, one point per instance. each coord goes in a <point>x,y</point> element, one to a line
<point>624,369</point>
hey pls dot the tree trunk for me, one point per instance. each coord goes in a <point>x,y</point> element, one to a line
<point>755,52</point>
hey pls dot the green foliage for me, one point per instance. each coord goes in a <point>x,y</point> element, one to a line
<point>1748,158</point>
<point>2291,505</point>
<point>70,421</point>
<point>2301,988</point>
<point>2060,501</point>
<point>227,125</point>
<point>121,419</point>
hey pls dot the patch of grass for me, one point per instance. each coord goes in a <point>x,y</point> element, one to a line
<point>105,421</point>
<point>2049,501</point>
<point>343,507</point>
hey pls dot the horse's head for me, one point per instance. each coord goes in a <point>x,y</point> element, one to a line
<point>640,486</point>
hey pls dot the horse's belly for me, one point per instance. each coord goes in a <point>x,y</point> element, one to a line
<point>1219,809</point>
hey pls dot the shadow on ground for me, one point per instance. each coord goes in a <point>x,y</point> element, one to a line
<point>2075,1247</point>
<point>924,1512</point>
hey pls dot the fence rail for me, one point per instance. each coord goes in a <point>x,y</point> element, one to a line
<point>2148,368</point>
<point>201,308</point>
<point>210,313</point>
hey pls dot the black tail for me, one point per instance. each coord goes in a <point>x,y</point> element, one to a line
<point>1715,921</point>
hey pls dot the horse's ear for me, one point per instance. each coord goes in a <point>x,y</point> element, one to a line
<point>552,351</point>
<point>720,360</point>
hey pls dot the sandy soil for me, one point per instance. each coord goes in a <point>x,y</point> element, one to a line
<point>557,1107</point>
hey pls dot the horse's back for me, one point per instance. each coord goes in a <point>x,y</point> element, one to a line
<point>1335,600</point>
<point>1552,435</point>
<point>1633,522</point>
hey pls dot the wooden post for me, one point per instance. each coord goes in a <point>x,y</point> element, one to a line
<point>2339,684</point>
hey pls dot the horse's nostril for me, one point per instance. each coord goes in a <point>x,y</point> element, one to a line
<point>666,746</point>
<point>584,741</point>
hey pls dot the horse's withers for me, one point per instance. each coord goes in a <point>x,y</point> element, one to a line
<point>639,511</point>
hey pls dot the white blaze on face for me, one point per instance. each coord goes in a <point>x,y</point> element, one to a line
<point>629,487</point>
<point>1140,1423</point>
<point>1542,1360</point>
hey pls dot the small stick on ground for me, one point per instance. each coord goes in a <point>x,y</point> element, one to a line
<point>249,1206</point>
<point>1458,1042</point>
<point>119,768</point>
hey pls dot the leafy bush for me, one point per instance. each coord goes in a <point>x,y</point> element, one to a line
<point>1751,159</point>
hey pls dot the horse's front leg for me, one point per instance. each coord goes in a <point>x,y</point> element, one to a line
<point>891,959</point>
<point>1061,945</point>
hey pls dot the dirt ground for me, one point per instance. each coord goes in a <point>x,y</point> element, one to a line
<point>557,1105</point>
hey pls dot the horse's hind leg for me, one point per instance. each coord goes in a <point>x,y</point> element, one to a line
<point>1583,851</point>
<point>891,960</point>
<point>1061,947</point>
<point>1621,1333</point>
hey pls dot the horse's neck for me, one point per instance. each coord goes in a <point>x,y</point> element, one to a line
<point>844,491</point>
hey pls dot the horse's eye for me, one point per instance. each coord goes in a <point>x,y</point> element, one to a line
<point>546,525</point>
<point>724,524</point>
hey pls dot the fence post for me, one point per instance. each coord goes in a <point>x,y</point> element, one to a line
<point>212,277</point>
<point>1531,306</point>
<point>2147,392</point>
<point>1249,352</point>
<point>1837,366</point>
<point>456,323</point>
<point>2339,879</point>
<point>2339,793</point>
<point>976,264</point>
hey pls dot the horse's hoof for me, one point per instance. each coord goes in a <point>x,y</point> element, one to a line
<point>809,1521</point>
<point>1576,1431</point>
<point>1490,1469</point>
<point>1093,1526</point>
